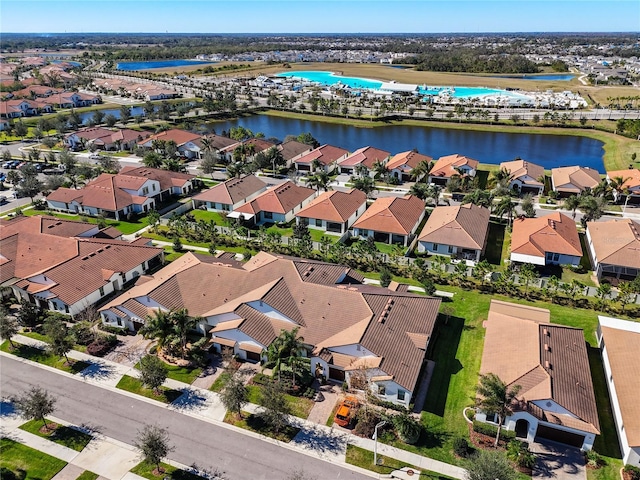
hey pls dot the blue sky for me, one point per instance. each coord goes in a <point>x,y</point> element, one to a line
<point>313,16</point>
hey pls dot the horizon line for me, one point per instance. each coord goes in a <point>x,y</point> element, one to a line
<point>329,33</point>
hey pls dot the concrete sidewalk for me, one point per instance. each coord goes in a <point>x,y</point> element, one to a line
<point>314,439</point>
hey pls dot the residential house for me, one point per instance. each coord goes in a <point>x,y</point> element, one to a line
<point>619,342</point>
<point>171,183</point>
<point>630,188</point>
<point>279,203</point>
<point>364,157</point>
<point>391,220</point>
<point>184,141</point>
<point>549,240</point>
<point>229,195</point>
<point>326,157</point>
<point>450,165</point>
<point>334,211</point>
<point>614,248</point>
<point>104,138</point>
<point>248,149</point>
<point>58,267</point>
<point>457,231</point>
<point>524,177</point>
<point>18,108</point>
<point>549,363</point>
<point>348,328</point>
<point>573,180</point>
<point>293,150</point>
<point>401,165</point>
<point>215,143</point>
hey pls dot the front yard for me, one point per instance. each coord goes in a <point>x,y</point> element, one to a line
<point>133,385</point>
<point>43,357</point>
<point>62,435</point>
<point>28,463</point>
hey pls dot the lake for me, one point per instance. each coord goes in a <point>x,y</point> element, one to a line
<point>85,116</point>
<point>130,66</point>
<point>548,77</point>
<point>549,151</point>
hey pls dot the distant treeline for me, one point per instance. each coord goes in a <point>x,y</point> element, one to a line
<point>469,61</point>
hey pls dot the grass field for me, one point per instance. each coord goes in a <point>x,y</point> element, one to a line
<point>363,458</point>
<point>62,435</point>
<point>87,475</point>
<point>133,385</point>
<point>300,406</point>
<point>43,357</point>
<point>28,463</point>
<point>255,423</point>
<point>145,470</point>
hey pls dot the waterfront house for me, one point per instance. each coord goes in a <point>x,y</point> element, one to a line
<point>549,240</point>
<point>402,165</point>
<point>364,157</point>
<point>573,180</point>
<point>229,195</point>
<point>214,143</point>
<point>349,329</point>
<point>391,220</point>
<point>293,150</point>
<point>524,177</point>
<point>630,187</point>
<point>104,138</point>
<point>277,204</point>
<point>459,232</point>
<point>334,211</point>
<point>619,342</point>
<point>184,141</point>
<point>325,158</point>
<point>614,248</point>
<point>450,165</point>
<point>549,362</point>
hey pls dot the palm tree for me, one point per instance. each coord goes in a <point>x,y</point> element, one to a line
<point>478,197</point>
<point>572,203</point>
<point>319,180</point>
<point>287,345</point>
<point>380,169</point>
<point>496,398</point>
<point>182,323</point>
<point>505,207</point>
<point>160,327</point>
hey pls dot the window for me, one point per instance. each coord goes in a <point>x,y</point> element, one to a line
<point>268,215</point>
<point>450,248</point>
<point>102,291</point>
<point>66,308</point>
<point>153,187</point>
<point>119,322</point>
<point>382,389</point>
<point>435,247</point>
<point>318,222</point>
<point>145,191</point>
<point>364,233</point>
<point>401,394</point>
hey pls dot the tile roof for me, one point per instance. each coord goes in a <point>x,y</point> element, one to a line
<point>281,198</point>
<point>622,342</point>
<point>616,242</point>
<point>630,176</point>
<point>574,179</point>
<point>166,178</point>
<point>548,361</point>
<point>325,154</point>
<point>555,233</point>
<point>392,215</point>
<point>232,191</point>
<point>216,142</point>
<point>293,148</point>
<point>446,166</point>
<point>180,137</point>
<point>45,224</point>
<point>407,161</point>
<point>334,206</point>
<point>527,172</point>
<point>465,226</point>
<point>366,156</point>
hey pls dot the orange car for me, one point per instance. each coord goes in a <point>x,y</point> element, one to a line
<point>346,411</point>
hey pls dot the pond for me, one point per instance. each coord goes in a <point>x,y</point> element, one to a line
<point>492,147</point>
<point>86,116</point>
<point>130,66</point>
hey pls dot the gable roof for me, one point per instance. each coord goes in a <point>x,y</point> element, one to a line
<point>232,191</point>
<point>616,242</point>
<point>45,224</point>
<point>465,226</point>
<point>407,161</point>
<point>574,179</point>
<point>180,137</point>
<point>166,178</point>
<point>216,142</point>
<point>366,156</point>
<point>555,233</point>
<point>527,172</point>
<point>293,148</point>
<point>334,206</point>
<point>631,177</point>
<point>445,167</point>
<point>392,215</point>
<point>548,361</point>
<point>280,199</point>
<point>325,154</point>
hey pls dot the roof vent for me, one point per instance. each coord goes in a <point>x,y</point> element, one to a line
<point>547,365</point>
<point>546,347</point>
<point>545,332</point>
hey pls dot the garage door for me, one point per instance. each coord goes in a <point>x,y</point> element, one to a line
<point>336,374</point>
<point>548,433</point>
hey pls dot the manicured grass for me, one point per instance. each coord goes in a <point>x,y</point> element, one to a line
<point>124,226</point>
<point>181,374</point>
<point>43,357</point>
<point>329,421</point>
<point>133,385</point>
<point>207,216</point>
<point>145,470</point>
<point>218,384</point>
<point>255,423</point>
<point>610,471</point>
<point>63,435</point>
<point>44,338</point>
<point>363,458</point>
<point>31,463</point>
<point>87,475</point>
<point>568,275</point>
<point>300,406</point>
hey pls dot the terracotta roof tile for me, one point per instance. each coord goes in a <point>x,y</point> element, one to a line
<point>366,156</point>
<point>465,226</point>
<point>334,206</point>
<point>630,177</point>
<point>282,199</point>
<point>180,137</point>
<point>407,161</point>
<point>445,167</point>
<point>555,233</point>
<point>616,242</point>
<point>527,172</point>
<point>398,215</point>
<point>574,179</point>
<point>232,191</point>
<point>325,154</point>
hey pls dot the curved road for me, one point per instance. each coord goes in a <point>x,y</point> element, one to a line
<point>118,416</point>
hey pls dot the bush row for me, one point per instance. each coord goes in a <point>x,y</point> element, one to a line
<point>491,431</point>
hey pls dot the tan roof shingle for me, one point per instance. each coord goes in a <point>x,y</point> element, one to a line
<point>398,215</point>
<point>465,226</point>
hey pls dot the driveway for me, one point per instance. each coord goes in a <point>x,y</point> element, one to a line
<point>558,462</point>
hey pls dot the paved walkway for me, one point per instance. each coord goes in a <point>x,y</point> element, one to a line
<point>326,399</point>
<point>100,455</point>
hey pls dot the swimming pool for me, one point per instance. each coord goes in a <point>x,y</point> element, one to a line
<point>330,78</point>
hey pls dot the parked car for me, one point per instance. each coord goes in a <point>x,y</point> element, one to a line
<point>3,200</point>
<point>3,176</point>
<point>7,164</point>
<point>346,411</point>
<point>94,156</point>
<point>54,171</point>
<point>14,164</point>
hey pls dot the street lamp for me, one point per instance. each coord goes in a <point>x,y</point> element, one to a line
<point>375,444</point>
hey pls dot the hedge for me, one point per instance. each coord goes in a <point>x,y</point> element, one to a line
<point>491,431</point>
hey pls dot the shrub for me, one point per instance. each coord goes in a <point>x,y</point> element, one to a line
<point>366,420</point>
<point>113,330</point>
<point>261,379</point>
<point>408,428</point>
<point>633,472</point>
<point>83,333</point>
<point>461,447</point>
<point>594,459</point>
<point>490,430</point>
<point>98,349</point>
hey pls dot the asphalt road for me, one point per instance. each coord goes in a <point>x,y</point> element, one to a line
<point>240,457</point>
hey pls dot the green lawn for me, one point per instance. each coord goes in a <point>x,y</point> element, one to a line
<point>255,423</point>
<point>218,384</point>
<point>43,357</point>
<point>181,374</point>
<point>133,385</point>
<point>28,463</point>
<point>46,339</point>
<point>207,216</point>
<point>124,226</point>
<point>363,458</point>
<point>145,470</point>
<point>87,475</point>
<point>63,435</point>
<point>300,406</point>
